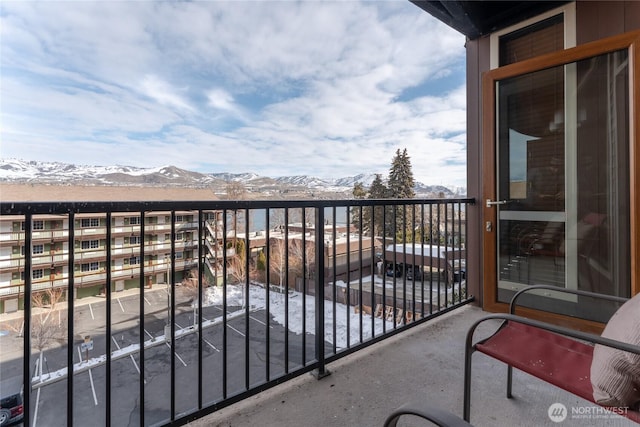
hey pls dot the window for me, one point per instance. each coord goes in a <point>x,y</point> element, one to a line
<point>542,37</point>
<point>134,260</point>
<point>179,255</point>
<point>546,33</point>
<point>37,273</point>
<point>179,237</point>
<point>134,220</point>
<point>90,244</point>
<point>89,222</point>
<point>38,249</point>
<point>179,218</point>
<point>91,266</point>
<point>38,225</point>
<point>135,240</point>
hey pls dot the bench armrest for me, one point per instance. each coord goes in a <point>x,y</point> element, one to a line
<point>584,336</point>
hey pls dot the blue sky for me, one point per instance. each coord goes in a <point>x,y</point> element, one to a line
<point>328,89</point>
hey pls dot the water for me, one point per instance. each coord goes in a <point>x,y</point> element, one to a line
<point>257,217</point>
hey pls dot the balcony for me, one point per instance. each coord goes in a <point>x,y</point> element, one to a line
<point>424,364</point>
<point>373,291</point>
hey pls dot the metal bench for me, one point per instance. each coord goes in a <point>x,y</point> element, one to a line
<point>557,355</point>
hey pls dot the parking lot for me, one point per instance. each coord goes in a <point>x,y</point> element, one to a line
<point>246,361</point>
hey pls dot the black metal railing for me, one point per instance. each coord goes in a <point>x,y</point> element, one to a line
<point>256,293</point>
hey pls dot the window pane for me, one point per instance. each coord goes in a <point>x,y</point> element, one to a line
<point>537,39</point>
<point>603,174</point>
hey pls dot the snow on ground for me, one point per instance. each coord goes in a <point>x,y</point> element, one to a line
<point>258,299</point>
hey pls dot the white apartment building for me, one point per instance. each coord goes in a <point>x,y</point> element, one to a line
<point>51,251</point>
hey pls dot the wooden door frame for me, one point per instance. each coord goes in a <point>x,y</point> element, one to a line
<point>629,41</point>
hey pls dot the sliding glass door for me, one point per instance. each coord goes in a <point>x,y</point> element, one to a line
<point>558,199</point>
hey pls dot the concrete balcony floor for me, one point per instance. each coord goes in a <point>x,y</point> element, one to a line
<point>422,364</point>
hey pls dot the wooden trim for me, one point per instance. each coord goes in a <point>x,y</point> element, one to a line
<point>489,215</point>
<point>634,159</point>
<point>629,41</point>
<point>567,56</point>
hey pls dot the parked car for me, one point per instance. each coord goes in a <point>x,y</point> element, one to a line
<point>391,272</point>
<point>414,273</point>
<point>11,409</point>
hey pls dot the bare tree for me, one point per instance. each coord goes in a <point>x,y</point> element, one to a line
<point>302,257</point>
<point>190,289</point>
<point>236,265</point>
<point>277,259</point>
<point>44,328</point>
<point>190,285</point>
<point>237,191</point>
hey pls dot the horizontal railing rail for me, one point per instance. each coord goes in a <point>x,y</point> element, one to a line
<point>256,293</point>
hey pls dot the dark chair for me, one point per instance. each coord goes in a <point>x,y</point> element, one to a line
<point>427,412</point>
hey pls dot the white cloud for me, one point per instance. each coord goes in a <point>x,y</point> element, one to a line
<point>272,87</point>
<point>162,92</point>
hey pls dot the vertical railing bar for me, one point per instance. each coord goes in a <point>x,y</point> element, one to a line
<point>404,264</point>
<point>466,248</point>
<point>439,257</point>
<point>384,273</point>
<point>360,266</point>
<point>108,326</point>
<point>70,317</point>
<point>348,284</point>
<point>413,269</point>
<point>286,290</point>
<point>446,249</point>
<point>303,287</point>
<point>372,294</point>
<point>267,262</point>
<point>335,278</point>
<point>431,258</point>
<point>319,317</point>
<point>26,333</point>
<point>141,310</point>
<point>458,245</point>
<point>395,264</point>
<point>247,342</point>
<point>422,242</point>
<point>201,243</point>
<point>224,303</point>
<point>172,317</point>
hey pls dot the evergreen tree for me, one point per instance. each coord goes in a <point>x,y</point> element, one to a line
<point>401,186</point>
<point>401,182</point>
<point>378,190</point>
<point>359,192</point>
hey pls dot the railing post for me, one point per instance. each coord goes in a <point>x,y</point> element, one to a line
<point>322,371</point>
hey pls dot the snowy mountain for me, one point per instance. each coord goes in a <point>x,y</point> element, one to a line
<point>14,170</point>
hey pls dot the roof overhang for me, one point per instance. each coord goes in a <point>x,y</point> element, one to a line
<point>479,17</point>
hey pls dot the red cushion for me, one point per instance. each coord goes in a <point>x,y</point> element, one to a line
<point>556,359</point>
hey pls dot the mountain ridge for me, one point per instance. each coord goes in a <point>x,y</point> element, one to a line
<point>21,171</point>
